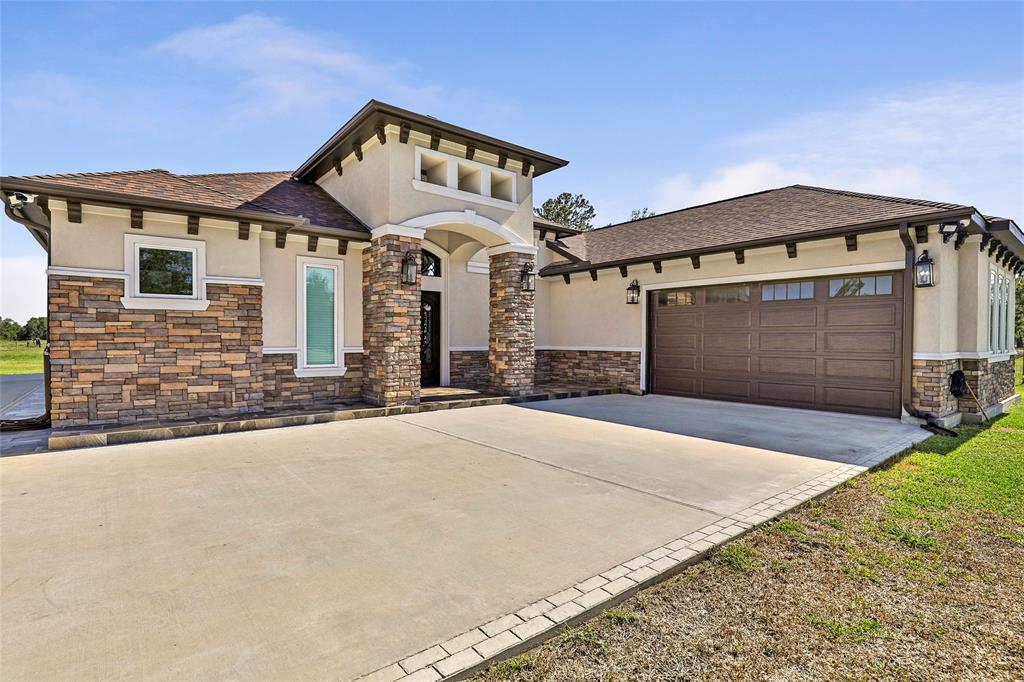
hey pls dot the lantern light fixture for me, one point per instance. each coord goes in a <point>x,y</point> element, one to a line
<point>410,267</point>
<point>633,293</point>
<point>924,271</point>
<point>528,277</point>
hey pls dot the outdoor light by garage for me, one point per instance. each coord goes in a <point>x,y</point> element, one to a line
<point>633,293</point>
<point>528,277</point>
<point>924,271</point>
<point>409,268</point>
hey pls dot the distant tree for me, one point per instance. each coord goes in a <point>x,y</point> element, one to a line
<point>640,214</point>
<point>571,210</point>
<point>35,328</point>
<point>9,329</point>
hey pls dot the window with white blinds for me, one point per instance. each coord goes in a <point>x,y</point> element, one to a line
<point>319,314</point>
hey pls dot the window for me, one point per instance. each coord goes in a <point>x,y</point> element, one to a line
<point>430,265</point>
<point>787,291</point>
<point>164,273</point>
<point>440,173</point>
<point>1000,317</point>
<point>319,317</point>
<point>860,285</point>
<point>674,298</point>
<point>727,294</point>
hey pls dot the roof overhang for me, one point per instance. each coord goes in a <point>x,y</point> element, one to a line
<point>556,269</point>
<point>271,221</point>
<point>365,124</point>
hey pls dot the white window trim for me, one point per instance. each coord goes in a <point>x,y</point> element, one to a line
<point>452,191</point>
<point>338,368</point>
<point>140,301</point>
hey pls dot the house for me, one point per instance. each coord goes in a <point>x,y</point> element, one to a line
<point>405,253</point>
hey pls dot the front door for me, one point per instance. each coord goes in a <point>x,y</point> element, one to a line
<point>430,339</point>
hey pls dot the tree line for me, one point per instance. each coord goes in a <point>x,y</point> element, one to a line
<point>33,330</point>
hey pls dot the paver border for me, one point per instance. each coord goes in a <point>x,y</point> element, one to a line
<point>471,652</point>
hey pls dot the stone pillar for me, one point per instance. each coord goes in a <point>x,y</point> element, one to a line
<point>510,352</point>
<point>391,320</point>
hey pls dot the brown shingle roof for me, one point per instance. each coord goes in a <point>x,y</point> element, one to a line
<point>792,211</point>
<point>269,192</point>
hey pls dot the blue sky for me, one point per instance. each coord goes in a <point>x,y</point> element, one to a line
<point>658,105</point>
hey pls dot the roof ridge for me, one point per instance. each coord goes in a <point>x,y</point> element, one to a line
<point>94,173</point>
<point>195,175</point>
<point>879,197</point>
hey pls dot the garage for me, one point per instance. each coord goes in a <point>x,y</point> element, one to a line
<point>826,343</point>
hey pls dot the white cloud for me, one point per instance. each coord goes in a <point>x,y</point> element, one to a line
<point>287,70</point>
<point>23,287</point>
<point>957,142</point>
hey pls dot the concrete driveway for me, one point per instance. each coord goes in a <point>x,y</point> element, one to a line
<point>335,550</point>
<point>22,396</point>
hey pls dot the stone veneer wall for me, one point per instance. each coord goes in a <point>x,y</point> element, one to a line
<point>991,381</point>
<point>391,323</point>
<point>620,369</point>
<point>468,368</point>
<point>929,387</point>
<point>281,388</point>
<point>109,365</point>
<point>511,355</point>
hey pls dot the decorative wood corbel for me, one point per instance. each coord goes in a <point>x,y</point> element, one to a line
<point>566,278</point>
<point>311,242</point>
<point>921,234</point>
<point>136,218</point>
<point>470,150</point>
<point>961,236</point>
<point>403,133</point>
<point>502,159</point>
<point>342,247</point>
<point>526,166</point>
<point>993,246</point>
<point>696,262</point>
<point>623,270</point>
<point>851,242</point>
<point>657,266</point>
<point>193,224</point>
<point>381,135</point>
<point>790,249</point>
<point>358,150</point>
<point>435,140</point>
<point>279,238</point>
<point>74,212</point>
<point>739,256</point>
<point>985,239</point>
<point>593,275</point>
<point>337,167</point>
<point>243,230</point>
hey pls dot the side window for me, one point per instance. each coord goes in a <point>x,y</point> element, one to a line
<point>862,285</point>
<point>319,316</point>
<point>166,272</point>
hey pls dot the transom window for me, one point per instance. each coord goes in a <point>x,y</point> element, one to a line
<point>787,291</point>
<point>430,265</point>
<point>674,298</point>
<point>860,285</point>
<point>727,294</point>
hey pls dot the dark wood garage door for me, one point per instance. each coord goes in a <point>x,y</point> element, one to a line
<point>828,343</point>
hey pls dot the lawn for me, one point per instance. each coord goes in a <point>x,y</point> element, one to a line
<point>16,358</point>
<point>912,572</point>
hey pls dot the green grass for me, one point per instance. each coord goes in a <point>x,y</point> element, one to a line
<point>16,358</point>
<point>738,557</point>
<point>863,629</point>
<point>617,614</point>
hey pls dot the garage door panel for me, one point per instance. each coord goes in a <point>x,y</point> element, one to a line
<point>801,395</point>
<point>669,341</point>
<point>737,341</point>
<point>726,388</point>
<point>861,369</point>
<point>728,319</point>
<point>788,317</point>
<point>804,366</point>
<point>858,315</point>
<point>840,354</point>
<point>796,342</point>
<point>861,342</point>
<point>726,363</point>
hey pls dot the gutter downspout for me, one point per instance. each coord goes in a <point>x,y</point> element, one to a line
<point>908,339</point>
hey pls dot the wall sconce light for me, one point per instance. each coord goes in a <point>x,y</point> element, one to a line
<point>409,268</point>
<point>528,278</point>
<point>633,293</point>
<point>924,271</point>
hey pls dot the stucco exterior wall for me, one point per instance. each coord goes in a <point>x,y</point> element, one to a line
<point>363,188</point>
<point>98,241</point>
<point>279,296</point>
<point>587,314</point>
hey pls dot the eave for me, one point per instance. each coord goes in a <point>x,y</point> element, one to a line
<point>270,221</point>
<point>368,120</point>
<point>557,269</point>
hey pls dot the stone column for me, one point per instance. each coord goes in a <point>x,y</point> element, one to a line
<point>391,320</point>
<point>510,355</point>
